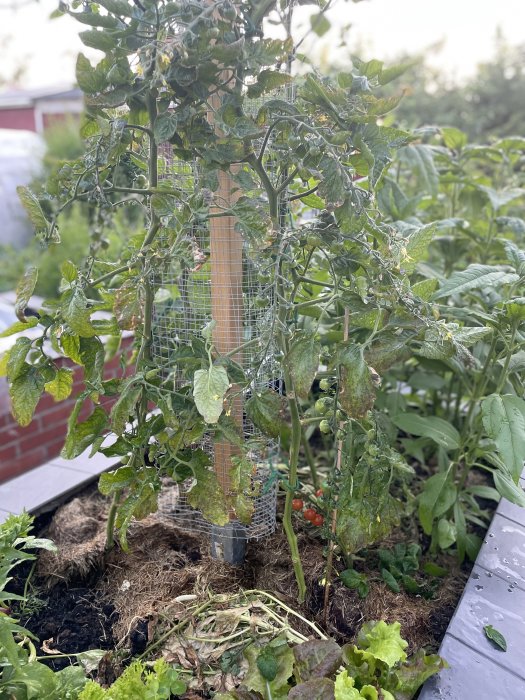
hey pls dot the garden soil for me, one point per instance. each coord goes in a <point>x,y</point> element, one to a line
<point>122,600</point>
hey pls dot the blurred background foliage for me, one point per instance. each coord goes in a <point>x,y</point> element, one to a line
<point>487,106</point>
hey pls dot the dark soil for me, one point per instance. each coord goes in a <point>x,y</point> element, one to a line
<point>117,602</point>
<point>73,620</point>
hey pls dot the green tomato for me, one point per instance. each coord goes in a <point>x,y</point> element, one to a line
<point>227,11</point>
<point>324,384</point>
<point>324,427</point>
<point>321,407</point>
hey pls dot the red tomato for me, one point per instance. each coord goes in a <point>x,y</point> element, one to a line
<point>310,514</point>
<point>297,504</point>
<point>318,520</point>
<point>319,493</point>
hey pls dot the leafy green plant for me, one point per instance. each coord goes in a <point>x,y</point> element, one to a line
<point>461,404</point>
<point>398,565</point>
<point>22,675</point>
<point>376,666</point>
<point>339,261</point>
<point>139,682</point>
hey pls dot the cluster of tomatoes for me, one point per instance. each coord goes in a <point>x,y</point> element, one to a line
<point>309,513</point>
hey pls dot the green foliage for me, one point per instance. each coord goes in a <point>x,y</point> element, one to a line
<point>209,388</point>
<point>400,263</point>
<point>21,675</point>
<point>484,106</point>
<point>375,667</point>
<point>495,636</point>
<point>139,682</point>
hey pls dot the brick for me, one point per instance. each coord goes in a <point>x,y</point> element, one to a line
<point>45,437</point>
<point>26,461</point>
<point>7,453</point>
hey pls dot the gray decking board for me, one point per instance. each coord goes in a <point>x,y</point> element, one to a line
<point>494,595</point>
<point>471,676</point>
<point>46,486</point>
<point>508,535</point>
<point>491,600</point>
<point>512,511</point>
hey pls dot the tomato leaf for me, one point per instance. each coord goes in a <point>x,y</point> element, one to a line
<point>209,389</point>
<point>265,410</point>
<point>302,362</point>
<point>25,392</point>
<point>357,393</point>
<point>61,386</point>
<point>495,636</point>
<point>24,291</point>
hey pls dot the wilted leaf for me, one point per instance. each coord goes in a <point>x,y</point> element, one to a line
<point>366,511</point>
<point>33,209</point>
<point>264,409</point>
<point>357,393</point>
<point>24,291</point>
<point>315,659</point>
<point>209,389</point>
<point>16,363</point>
<point>60,387</point>
<point>128,307</point>
<point>241,475</point>
<point>81,435</point>
<point>302,362</point>
<point>206,495</point>
<point>74,307</point>
<point>417,246</point>
<point>123,408</point>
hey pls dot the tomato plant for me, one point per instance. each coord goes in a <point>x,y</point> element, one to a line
<point>371,270</point>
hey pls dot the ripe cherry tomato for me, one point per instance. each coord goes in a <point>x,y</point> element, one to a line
<point>310,514</point>
<point>297,504</point>
<point>319,493</point>
<point>318,520</point>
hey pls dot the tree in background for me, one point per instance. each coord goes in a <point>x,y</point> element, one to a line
<point>490,104</point>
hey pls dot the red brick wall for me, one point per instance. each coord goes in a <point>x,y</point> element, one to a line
<point>21,118</point>
<point>22,449</point>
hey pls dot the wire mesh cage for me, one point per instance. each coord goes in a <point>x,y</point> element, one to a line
<point>222,280</point>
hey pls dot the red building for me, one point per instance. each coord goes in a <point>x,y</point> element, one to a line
<point>35,110</point>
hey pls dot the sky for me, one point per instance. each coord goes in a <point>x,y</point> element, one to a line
<point>378,29</point>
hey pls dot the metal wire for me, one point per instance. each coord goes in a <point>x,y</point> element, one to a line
<point>220,281</point>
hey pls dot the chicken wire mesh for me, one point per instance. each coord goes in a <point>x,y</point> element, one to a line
<point>220,282</point>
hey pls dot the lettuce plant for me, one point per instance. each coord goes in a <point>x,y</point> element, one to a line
<point>376,667</point>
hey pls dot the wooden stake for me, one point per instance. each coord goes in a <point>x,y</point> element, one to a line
<point>226,260</point>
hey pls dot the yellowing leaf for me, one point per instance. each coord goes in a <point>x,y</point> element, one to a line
<point>209,388</point>
<point>60,387</point>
